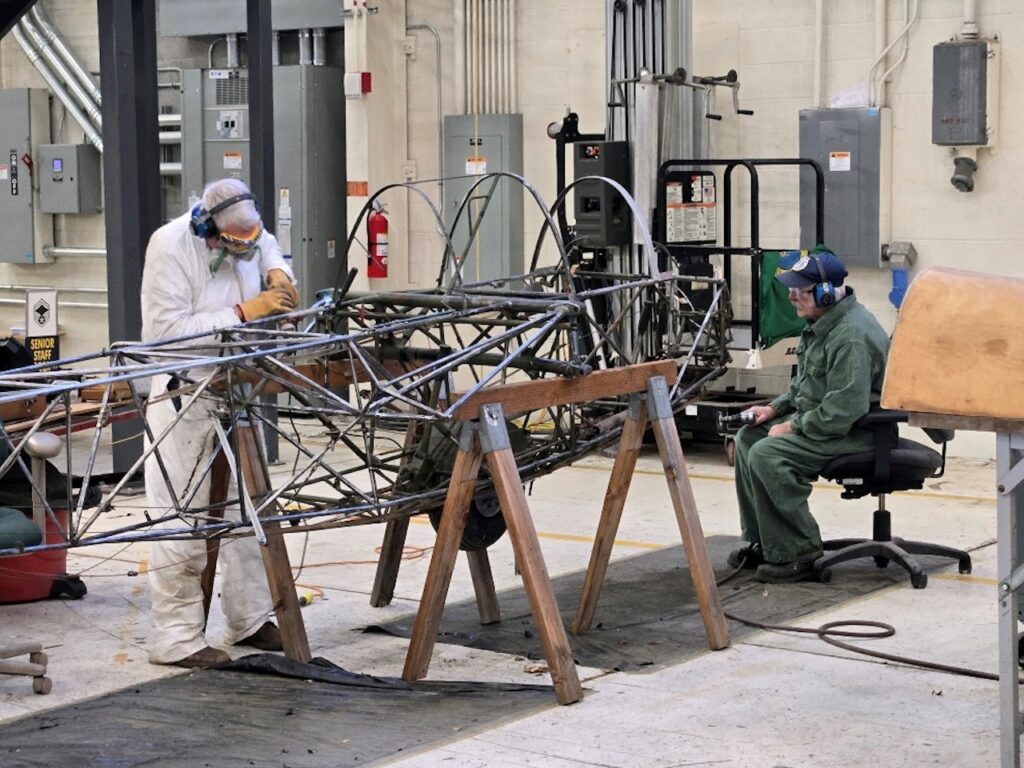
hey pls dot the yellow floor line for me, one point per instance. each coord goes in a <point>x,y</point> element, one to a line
<point>574,537</point>
<point>965,577</point>
<point>826,486</point>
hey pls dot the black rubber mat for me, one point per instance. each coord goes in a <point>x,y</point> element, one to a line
<point>648,614</point>
<point>292,716</point>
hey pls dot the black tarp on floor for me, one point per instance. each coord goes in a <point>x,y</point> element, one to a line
<point>648,615</point>
<point>302,716</point>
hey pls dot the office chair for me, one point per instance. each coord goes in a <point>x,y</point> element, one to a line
<point>893,464</point>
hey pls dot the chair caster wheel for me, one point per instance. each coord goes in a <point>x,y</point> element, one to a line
<point>42,685</point>
<point>965,565</point>
<point>39,658</point>
<point>919,580</point>
<point>825,575</point>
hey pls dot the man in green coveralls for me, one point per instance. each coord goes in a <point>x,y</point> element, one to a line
<point>840,367</point>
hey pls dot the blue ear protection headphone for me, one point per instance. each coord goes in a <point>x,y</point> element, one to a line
<point>824,292</point>
<point>202,223</point>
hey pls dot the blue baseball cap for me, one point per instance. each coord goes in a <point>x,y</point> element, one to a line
<point>812,268</point>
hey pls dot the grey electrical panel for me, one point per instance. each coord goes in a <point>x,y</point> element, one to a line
<point>69,178</point>
<point>853,148</point>
<point>475,145</point>
<point>602,216</point>
<point>959,84</point>
<point>24,123</point>
<point>192,18</point>
<point>309,214</point>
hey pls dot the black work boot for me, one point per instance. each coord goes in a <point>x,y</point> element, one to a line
<point>749,557</point>
<point>786,573</point>
<point>266,638</point>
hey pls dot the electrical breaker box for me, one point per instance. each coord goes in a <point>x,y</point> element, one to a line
<point>959,93</point>
<point>602,216</point>
<point>24,121</point>
<point>854,149</point>
<point>69,178</point>
<point>475,145</point>
<point>308,217</point>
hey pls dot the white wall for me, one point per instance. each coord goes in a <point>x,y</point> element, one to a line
<point>770,45</point>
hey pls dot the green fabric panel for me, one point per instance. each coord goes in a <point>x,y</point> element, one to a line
<point>778,319</point>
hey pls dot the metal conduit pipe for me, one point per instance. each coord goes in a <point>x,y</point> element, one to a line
<point>10,287</point>
<point>305,49</point>
<point>65,53</point>
<point>61,251</point>
<point>57,88</point>
<point>319,47</point>
<point>275,48</point>
<point>64,304</point>
<point>440,102</point>
<point>232,50</point>
<point>82,98</point>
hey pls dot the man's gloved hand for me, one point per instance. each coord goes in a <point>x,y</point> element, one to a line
<point>278,278</point>
<point>273,301</point>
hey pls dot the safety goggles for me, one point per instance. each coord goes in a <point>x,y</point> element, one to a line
<point>796,293</point>
<point>241,247</point>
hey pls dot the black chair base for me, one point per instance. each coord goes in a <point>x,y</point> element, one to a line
<point>896,550</point>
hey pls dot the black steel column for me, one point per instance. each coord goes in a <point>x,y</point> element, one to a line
<point>261,108</point>
<point>261,142</point>
<point>131,171</point>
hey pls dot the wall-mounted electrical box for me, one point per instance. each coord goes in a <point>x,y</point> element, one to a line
<point>854,149</point>
<point>959,98</point>
<point>309,215</point>
<point>602,216</point>
<point>69,178</point>
<point>24,124</point>
<point>475,145</point>
<point>965,103</point>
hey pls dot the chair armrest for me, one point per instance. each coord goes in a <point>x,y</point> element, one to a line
<point>879,417</point>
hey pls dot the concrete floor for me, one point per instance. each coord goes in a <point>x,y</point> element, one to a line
<point>771,699</point>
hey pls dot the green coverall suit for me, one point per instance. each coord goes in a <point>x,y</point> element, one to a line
<point>840,367</point>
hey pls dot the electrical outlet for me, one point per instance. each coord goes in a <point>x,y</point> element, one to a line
<point>409,47</point>
<point>409,170</point>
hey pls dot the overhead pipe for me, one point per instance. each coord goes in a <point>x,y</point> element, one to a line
<point>319,47</point>
<point>67,55</point>
<point>91,135</point>
<point>82,99</point>
<point>969,28</point>
<point>819,52</point>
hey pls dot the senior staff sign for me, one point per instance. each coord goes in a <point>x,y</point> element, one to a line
<point>41,336</point>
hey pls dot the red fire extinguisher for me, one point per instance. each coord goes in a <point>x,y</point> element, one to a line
<point>377,237</point>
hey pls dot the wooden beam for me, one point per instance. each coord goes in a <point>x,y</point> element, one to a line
<point>969,423</point>
<point>483,586</point>
<point>545,393</point>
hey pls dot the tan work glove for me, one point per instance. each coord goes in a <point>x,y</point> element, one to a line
<point>273,301</point>
<point>278,278</point>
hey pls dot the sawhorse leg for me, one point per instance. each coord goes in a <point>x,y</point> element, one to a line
<point>393,546</point>
<point>274,553</point>
<point>657,412</point>
<point>493,435</point>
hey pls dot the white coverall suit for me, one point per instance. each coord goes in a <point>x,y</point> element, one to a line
<point>181,296</point>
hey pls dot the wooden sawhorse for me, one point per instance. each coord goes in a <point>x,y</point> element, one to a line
<point>256,482</point>
<point>485,434</point>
